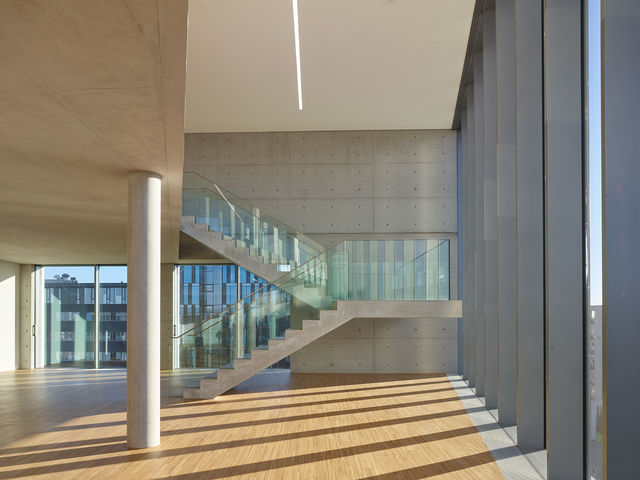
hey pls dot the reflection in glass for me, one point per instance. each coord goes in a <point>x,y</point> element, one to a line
<point>258,322</point>
<point>69,316</point>
<point>204,291</point>
<point>112,346</point>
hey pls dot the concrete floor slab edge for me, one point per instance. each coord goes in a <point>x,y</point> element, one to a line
<point>513,463</point>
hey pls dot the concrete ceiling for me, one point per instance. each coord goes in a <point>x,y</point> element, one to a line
<point>88,92</point>
<point>366,64</point>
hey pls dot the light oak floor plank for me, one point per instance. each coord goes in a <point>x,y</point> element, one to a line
<point>70,424</point>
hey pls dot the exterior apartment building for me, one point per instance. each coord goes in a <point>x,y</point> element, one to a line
<point>319,239</point>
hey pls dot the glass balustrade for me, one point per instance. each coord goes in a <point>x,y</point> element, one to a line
<point>354,270</point>
<point>247,225</point>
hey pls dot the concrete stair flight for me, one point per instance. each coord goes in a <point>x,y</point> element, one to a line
<point>228,248</point>
<point>241,231</point>
<point>260,358</point>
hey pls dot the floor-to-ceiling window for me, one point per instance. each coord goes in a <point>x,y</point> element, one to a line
<point>71,335</point>
<point>112,346</point>
<point>593,348</point>
<point>69,323</point>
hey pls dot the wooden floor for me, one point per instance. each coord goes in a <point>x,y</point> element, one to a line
<point>70,424</point>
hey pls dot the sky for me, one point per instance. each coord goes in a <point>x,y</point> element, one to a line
<point>108,274</point>
<point>595,154</point>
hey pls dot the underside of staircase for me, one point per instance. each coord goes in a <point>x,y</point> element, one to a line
<point>260,358</point>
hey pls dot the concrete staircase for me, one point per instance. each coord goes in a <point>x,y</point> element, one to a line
<point>228,248</point>
<point>260,358</point>
<point>280,347</point>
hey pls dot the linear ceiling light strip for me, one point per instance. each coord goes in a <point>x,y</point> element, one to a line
<point>296,32</point>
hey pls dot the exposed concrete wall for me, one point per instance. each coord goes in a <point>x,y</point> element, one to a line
<point>383,345</point>
<point>9,316</point>
<point>400,181</point>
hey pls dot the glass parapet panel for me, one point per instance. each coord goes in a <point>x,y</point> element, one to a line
<point>249,226</point>
<point>354,270</point>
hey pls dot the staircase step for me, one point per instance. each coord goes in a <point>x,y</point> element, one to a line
<point>273,342</point>
<point>292,333</point>
<point>308,324</point>
<point>192,394</point>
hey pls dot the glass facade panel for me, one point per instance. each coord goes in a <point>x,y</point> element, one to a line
<point>69,323</point>
<point>264,319</point>
<point>70,309</point>
<point>204,291</point>
<point>112,345</point>
<point>593,348</point>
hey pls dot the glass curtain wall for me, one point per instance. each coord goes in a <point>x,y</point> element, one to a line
<point>269,320</point>
<point>593,187</point>
<point>70,316</point>
<point>112,345</point>
<point>206,290</point>
<point>69,327</point>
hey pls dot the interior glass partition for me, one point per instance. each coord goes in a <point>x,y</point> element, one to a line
<point>69,316</point>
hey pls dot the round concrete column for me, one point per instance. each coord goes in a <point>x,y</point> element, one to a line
<point>143,311</point>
